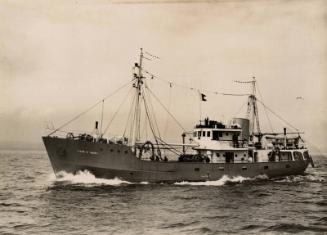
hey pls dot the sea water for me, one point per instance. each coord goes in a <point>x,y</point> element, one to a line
<point>34,201</point>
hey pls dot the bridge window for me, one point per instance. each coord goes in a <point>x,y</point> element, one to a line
<point>297,156</point>
<point>208,133</point>
<point>203,133</point>
<point>215,135</point>
<point>306,155</point>
<point>285,156</point>
<point>194,134</point>
<point>199,133</point>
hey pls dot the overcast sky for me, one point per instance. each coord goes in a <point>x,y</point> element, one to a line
<point>59,57</point>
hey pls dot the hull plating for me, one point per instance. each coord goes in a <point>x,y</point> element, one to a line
<point>114,160</point>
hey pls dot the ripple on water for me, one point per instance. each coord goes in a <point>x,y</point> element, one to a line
<point>294,228</point>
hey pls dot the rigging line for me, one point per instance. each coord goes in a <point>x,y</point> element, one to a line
<point>149,117</point>
<point>243,81</point>
<point>165,108</point>
<point>153,113</point>
<point>129,116</point>
<point>266,113</point>
<point>169,104</point>
<point>170,148</point>
<point>90,108</point>
<point>313,146</point>
<point>154,56</point>
<point>290,125</point>
<point>101,117</point>
<point>113,117</point>
<point>148,113</point>
<point>134,122</point>
<point>195,89</point>
<point>240,108</point>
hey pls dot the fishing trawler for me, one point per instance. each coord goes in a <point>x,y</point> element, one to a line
<point>214,149</point>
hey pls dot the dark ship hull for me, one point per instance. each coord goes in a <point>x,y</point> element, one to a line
<point>117,160</point>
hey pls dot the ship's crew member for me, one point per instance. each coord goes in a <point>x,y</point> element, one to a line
<point>278,153</point>
<point>255,158</point>
<point>235,140</point>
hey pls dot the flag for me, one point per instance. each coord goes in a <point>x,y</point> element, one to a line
<point>203,97</point>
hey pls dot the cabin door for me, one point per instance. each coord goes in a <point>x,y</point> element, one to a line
<point>229,157</point>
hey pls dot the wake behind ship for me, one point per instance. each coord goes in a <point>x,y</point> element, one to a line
<point>214,149</point>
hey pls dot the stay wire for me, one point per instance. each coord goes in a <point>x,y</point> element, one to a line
<point>129,116</point>
<point>278,116</point>
<point>115,114</point>
<point>149,118</point>
<point>166,109</point>
<point>90,108</point>
<point>266,113</point>
<point>192,88</point>
<point>169,104</point>
<point>152,112</point>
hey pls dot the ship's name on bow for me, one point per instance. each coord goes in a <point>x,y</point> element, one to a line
<point>87,152</point>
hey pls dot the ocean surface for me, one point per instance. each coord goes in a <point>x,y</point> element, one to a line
<point>33,201</point>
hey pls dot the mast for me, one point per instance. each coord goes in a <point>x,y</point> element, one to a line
<point>252,111</point>
<point>139,82</point>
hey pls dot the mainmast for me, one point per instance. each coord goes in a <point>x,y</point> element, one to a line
<point>252,111</point>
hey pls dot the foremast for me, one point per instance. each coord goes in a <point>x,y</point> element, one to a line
<point>141,100</point>
<point>138,85</point>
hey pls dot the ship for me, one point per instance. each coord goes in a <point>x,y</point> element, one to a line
<point>210,151</point>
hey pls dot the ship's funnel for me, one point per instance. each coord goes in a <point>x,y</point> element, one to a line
<point>245,125</point>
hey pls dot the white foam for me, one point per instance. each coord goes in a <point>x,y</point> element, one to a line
<point>302,178</point>
<point>87,178</point>
<point>225,179</point>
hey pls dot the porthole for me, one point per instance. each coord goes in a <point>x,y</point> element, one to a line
<point>196,169</point>
<point>287,166</point>
<point>221,168</point>
<point>111,150</point>
<point>126,151</point>
<point>244,168</point>
<point>265,167</point>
